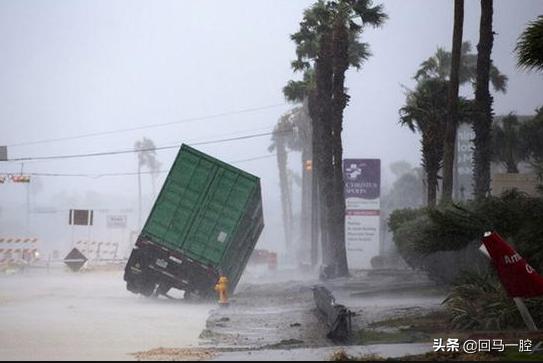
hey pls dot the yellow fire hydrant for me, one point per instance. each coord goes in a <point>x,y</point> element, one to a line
<point>222,289</point>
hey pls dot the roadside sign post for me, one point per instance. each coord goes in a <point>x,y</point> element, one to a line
<point>81,217</point>
<point>518,278</point>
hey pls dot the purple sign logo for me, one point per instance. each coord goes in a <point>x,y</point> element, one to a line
<point>362,178</point>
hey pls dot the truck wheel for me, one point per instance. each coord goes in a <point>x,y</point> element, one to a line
<point>132,287</point>
<point>162,289</point>
<point>147,289</point>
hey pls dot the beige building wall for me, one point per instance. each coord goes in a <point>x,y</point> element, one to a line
<point>502,182</point>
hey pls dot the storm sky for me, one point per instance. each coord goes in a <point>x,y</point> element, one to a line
<point>77,67</point>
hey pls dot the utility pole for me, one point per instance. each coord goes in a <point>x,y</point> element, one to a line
<point>139,196</point>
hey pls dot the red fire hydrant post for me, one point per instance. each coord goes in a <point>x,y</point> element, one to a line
<point>222,289</point>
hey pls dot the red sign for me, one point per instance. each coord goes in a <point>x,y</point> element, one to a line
<point>517,276</point>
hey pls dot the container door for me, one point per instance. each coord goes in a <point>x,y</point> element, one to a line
<point>179,200</point>
<point>222,210</point>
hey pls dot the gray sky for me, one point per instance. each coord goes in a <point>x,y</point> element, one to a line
<point>77,67</point>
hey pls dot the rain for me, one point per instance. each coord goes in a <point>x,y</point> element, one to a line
<point>271,180</point>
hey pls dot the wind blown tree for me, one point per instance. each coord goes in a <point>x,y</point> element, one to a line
<point>146,151</point>
<point>529,47</point>
<point>439,66</point>
<point>483,104</point>
<point>531,134</point>
<point>425,112</point>
<point>327,44</point>
<point>507,143</point>
<point>281,138</point>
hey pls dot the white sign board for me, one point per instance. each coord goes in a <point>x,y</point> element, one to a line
<point>362,215</point>
<point>464,162</point>
<point>362,238</point>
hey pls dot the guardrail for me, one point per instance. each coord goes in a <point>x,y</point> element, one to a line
<point>336,316</point>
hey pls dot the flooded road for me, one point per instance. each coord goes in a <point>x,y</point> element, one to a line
<point>88,316</point>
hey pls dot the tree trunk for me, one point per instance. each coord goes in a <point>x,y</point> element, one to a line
<point>325,170</point>
<point>306,205</point>
<point>315,157</point>
<point>431,160</point>
<point>339,102</point>
<point>483,103</point>
<point>452,105</point>
<point>284,186</point>
<point>431,177</point>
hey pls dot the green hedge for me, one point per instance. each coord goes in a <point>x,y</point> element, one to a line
<point>445,238</point>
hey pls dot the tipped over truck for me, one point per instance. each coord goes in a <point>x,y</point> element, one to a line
<point>204,224</point>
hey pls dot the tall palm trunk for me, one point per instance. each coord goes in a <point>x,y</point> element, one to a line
<point>325,173</point>
<point>431,161</point>
<point>510,144</point>
<point>452,106</point>
<point>315,192</point>
<point>483,104</point>
<point>339,102</point>
<point>285,192</point>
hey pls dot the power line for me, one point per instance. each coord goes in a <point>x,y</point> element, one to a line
<point>116,131</point>
<point>118,152</point>
<point>97,176</point>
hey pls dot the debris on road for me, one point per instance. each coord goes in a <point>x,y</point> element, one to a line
<point>337,316</point>
<point>174,354</point>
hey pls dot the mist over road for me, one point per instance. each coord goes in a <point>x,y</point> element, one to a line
<point>88,316</point>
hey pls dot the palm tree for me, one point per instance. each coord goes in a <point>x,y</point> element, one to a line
<point>530,46</point>
<point>327,44</point>
<point>483,103</point>
<point>280,140</point>
<point>452,104</point>
<point>439,66</point>
<point>146,152</point>
<point>425,112</point>
<point>531,134</point>
<point>506,143</point>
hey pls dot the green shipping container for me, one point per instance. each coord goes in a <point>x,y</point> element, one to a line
<point>205,223</point>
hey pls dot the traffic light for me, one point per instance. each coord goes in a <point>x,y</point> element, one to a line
<point>309,165</point>
<point>20,178</point>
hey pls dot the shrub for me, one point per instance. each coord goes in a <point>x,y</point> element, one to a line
<point>477,301</point>
<point>423,236</point>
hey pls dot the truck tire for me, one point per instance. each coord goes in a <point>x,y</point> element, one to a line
<point>147,289</point>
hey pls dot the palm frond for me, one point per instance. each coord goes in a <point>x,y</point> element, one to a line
<point>529,47</point>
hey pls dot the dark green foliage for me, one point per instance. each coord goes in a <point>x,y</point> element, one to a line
<point>477,301</point>
<point>530,46</point>
<point>318,20</point>
<point>531,134</point>
<point>297,91</point>
<point>507,145</point>
<point>419,233</point>
<point>439,66</point>
<point>425,111</point>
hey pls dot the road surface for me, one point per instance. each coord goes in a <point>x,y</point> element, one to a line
<point>88,316</point>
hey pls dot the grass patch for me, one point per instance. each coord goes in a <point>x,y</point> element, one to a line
<point>367,336</point>
<point>411,328</point>
<point>429,323</point>
<point>510,355</point>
